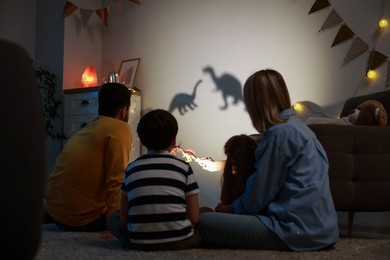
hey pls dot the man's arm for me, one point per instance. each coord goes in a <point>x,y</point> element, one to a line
<point>116,160</point>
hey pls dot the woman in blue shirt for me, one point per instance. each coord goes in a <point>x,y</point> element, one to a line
<point>287,204</point>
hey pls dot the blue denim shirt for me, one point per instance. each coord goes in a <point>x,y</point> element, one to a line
<point>289,192</point>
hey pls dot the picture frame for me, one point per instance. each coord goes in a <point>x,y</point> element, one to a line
<point>128,71</point>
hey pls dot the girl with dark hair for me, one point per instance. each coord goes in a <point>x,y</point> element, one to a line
<point>240,163</point>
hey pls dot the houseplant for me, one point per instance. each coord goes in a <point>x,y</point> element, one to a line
<point>50,103</point>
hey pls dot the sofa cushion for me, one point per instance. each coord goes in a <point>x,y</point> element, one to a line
<point>359,165</point>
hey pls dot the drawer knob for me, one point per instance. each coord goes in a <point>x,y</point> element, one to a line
<point>84,102</point>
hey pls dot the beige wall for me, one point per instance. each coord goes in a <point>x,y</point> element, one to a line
<point>176,39</point>
<point>82,48</point>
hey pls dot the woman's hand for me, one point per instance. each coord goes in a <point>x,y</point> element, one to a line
<point>210,165</point>
<point>224,208</point>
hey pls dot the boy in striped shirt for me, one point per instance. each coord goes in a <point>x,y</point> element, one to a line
<point>159,201</point>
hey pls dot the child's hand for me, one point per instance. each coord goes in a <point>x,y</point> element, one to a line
<point>107,235</point>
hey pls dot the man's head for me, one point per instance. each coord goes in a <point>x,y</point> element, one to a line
<point>157,130</point>
<point>114,99</point>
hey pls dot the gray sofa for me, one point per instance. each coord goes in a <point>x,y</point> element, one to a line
<point>359,161</point>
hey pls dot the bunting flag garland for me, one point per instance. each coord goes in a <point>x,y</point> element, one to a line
<point>102,13</point>
<point>376,59</point>
<point>358,46</point>
<point>388,75</point>
<point>118,7</point>
<point>344,34</point>
<point>85,16</point>
<point>69,8</point>
<point>319,5</point>
<point>331,21</point>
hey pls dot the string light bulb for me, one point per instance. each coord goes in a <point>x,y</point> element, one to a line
<point>298,107</point>
<point>371,74</point>
<point>383,23</point>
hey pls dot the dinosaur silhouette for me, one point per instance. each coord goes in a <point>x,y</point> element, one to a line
<point>182,100</point>
<point>228,85</point>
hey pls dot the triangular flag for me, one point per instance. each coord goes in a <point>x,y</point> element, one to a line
<point>388,75</point>
<point>331,21</point>
<point>85,16</point>
<point>103,15</point>
<point>117,6</point>
<point>344,34</point>
<point>376,59</point>
<point>69,8</point>
<point>358,47</point>
<point>318,5</point>
<point>135,1</point>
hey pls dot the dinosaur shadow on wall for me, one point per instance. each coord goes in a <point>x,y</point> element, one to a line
<point>228,85</point>
<point>182,101</point>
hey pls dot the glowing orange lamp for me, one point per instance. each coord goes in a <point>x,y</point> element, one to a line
<point>89,77</point>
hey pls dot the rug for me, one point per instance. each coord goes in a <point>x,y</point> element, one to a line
<point>74,245</point>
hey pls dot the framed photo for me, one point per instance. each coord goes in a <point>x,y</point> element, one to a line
<point>128,71</point>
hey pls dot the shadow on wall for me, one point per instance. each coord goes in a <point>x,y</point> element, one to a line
<point>229,86</point>
<point>183,100</point>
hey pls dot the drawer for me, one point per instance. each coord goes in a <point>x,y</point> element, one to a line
<point>81,103</point>
<point>74,123</point>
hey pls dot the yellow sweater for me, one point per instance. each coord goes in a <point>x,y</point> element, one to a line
<point>87,176</point>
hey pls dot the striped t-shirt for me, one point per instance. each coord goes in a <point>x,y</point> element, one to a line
<point>157,185</point>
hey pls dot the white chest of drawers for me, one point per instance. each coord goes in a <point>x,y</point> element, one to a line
<point>81,107</point>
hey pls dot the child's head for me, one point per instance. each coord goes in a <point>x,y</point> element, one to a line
<point>240,151</point>
<point>157,130</point>
<point>240,164</point>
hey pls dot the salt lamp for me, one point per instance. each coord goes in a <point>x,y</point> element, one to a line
<point>89,77</point>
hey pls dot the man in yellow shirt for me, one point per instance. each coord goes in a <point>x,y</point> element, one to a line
<point>84,187</point>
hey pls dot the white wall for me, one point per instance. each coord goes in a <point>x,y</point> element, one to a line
<point>176,39</point>
<point>82,48</point>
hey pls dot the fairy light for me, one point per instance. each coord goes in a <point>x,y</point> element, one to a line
<point>371,74</point>
<point>298,107</point>
<point>383,23</point>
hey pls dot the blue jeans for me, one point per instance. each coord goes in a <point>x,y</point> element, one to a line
<point>237,231</point>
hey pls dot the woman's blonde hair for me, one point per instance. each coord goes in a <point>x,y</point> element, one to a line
<point>265,96</point>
